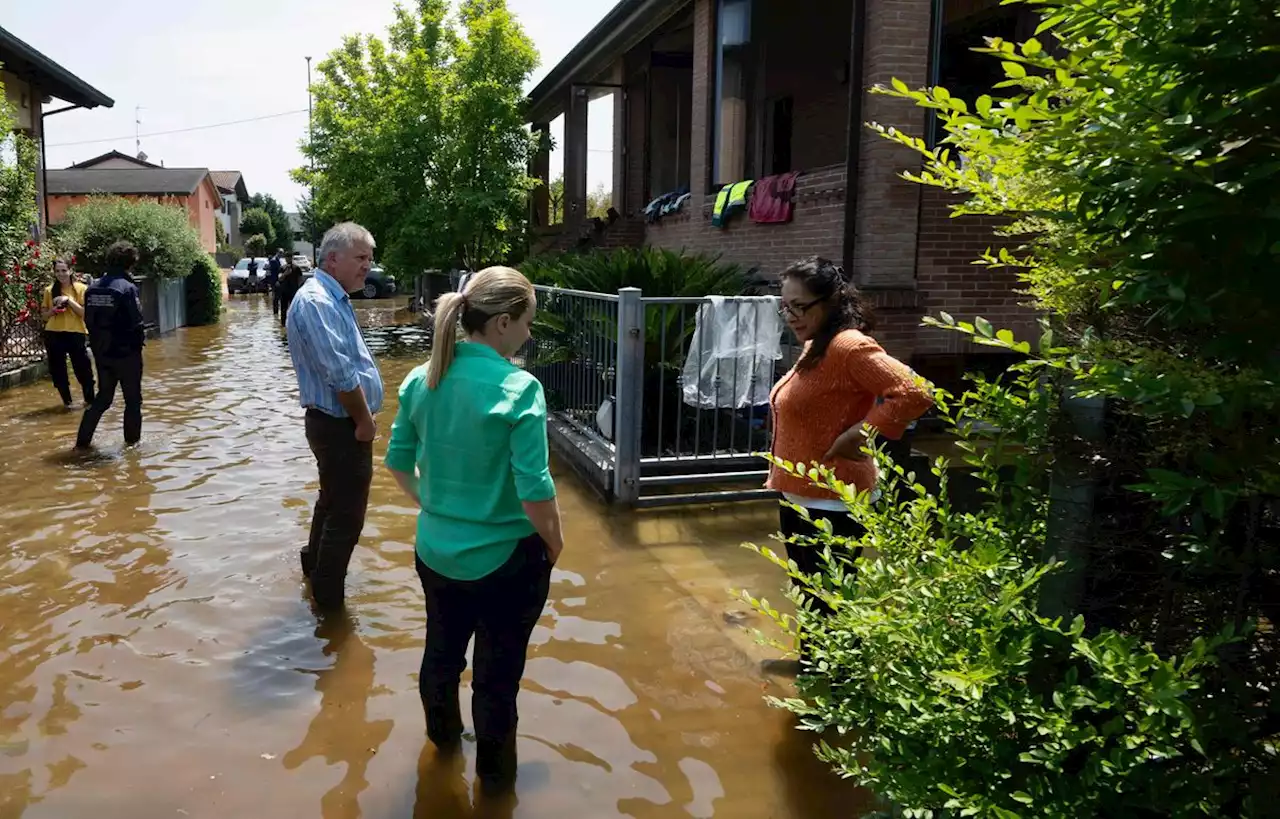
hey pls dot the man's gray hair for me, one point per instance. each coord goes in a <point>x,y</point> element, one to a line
<point>344,237</point>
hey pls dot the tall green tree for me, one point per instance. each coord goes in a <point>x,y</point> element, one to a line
<point>313,223</point>
<point>257,222</point>
<point>420,137</point>
<point>281,228</point>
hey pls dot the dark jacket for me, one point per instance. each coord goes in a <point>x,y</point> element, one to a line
<point>290,283</point>
<point>113,316</point>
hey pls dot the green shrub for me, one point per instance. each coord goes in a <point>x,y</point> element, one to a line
<point>256,245</point>
<point>168,246</point>
<point>204,293</point>
<point>257,221</point>
<point>940,687</point>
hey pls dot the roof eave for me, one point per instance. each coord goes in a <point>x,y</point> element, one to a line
<point>51,77</point>
<point>624,23</point>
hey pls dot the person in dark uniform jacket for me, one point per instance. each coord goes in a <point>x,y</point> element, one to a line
<point>290,282</point>
<point>113,316</point>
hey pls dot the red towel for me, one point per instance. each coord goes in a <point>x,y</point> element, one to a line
<point>773,200</point>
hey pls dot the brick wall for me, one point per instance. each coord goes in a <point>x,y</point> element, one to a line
<point>947,280</point>
<point>817,228</point>
<point>897,45</point>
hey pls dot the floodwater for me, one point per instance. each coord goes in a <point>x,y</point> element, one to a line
<point>158,657</point>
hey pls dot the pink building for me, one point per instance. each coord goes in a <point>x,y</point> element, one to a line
<point>192,189</point>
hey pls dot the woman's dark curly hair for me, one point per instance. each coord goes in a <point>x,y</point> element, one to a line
<point>846,310</point>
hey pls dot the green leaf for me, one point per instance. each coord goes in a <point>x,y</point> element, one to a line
<point>899,85</point>
<point>983,105</point>
<point>1023,797</point>
<point>983,327</point>
<point>1014,70</point>
<point>1032,47</point>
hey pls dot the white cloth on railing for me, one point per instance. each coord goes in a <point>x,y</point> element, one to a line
<point>731,358</point>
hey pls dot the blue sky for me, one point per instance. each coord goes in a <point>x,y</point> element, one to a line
<point>189,64</point>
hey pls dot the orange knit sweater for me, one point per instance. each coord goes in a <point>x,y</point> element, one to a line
<point>811,408</point>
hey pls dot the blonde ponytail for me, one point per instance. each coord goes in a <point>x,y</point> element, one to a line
<point>444,336</point>
<point>492,292</point>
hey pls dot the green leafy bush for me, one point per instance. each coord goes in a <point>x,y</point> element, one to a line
<point>939,685</point>
<point>168,246</point>
<point>256,245</point>
<point>204,293</point>
<point>257,222</point>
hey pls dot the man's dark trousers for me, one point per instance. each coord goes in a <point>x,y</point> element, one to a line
<point>346,470</point>
<point>126,371</point>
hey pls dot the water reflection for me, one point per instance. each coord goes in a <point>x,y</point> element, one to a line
<point>341,732</point>
<point>159,658</point>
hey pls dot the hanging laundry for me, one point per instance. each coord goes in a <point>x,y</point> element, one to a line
<point>730,200</point>
<point>677,205</point>
<point>665,204</point>
<point>731,358</point>
<point>773,199</point>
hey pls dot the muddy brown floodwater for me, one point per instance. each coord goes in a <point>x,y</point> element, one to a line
<point>158,657</point>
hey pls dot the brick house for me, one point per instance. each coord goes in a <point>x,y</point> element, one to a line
<point>191,189</point>
<point>710,92</point>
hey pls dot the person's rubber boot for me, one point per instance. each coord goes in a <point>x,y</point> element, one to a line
<point>496,765</point>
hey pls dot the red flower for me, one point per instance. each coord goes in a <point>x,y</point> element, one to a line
<point>31,265</point>
<point>37,253</point>
<point>73,260</point>
<point>22,316</point>
<point>30,287</point>
<point>31,243</point>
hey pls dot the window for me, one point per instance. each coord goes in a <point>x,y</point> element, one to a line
<point>780,127</point>
<point>733,92</point>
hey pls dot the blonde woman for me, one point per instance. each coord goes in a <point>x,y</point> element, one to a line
<point>469,447</point>
<point>65,334</point>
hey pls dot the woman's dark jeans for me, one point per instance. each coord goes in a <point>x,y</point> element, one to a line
<point>808,557</point>
<point>63,345</point>
<point>501,610</point>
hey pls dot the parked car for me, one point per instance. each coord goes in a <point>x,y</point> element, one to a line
<point>238,278</point>
<point>301,262</point>
<point>379,284</point>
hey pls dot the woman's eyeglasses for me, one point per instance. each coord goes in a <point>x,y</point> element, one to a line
<point>797,309</point>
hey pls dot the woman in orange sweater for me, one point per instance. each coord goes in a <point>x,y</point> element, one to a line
<point>843,386</point>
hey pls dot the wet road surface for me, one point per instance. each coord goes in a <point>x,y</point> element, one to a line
<point>158,657</point>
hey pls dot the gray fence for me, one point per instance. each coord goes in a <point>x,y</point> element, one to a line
<point>660,401</point>
<point>21,344</point>
<point>164,303</point>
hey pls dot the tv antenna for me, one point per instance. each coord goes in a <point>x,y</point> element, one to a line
<point>137,130</point>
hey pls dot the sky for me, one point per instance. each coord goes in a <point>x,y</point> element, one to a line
<point>195,64</point>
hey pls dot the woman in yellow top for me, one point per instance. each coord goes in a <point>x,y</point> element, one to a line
<point>65,334</point>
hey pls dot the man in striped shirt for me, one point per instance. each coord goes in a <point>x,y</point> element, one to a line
<point>341,389</point>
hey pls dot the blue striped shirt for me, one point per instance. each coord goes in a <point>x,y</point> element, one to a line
<point>329,354</point>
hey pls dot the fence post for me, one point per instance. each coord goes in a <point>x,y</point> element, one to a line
<point>630,397</point>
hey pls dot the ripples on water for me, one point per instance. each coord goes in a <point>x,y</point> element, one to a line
<point>158,657</point>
